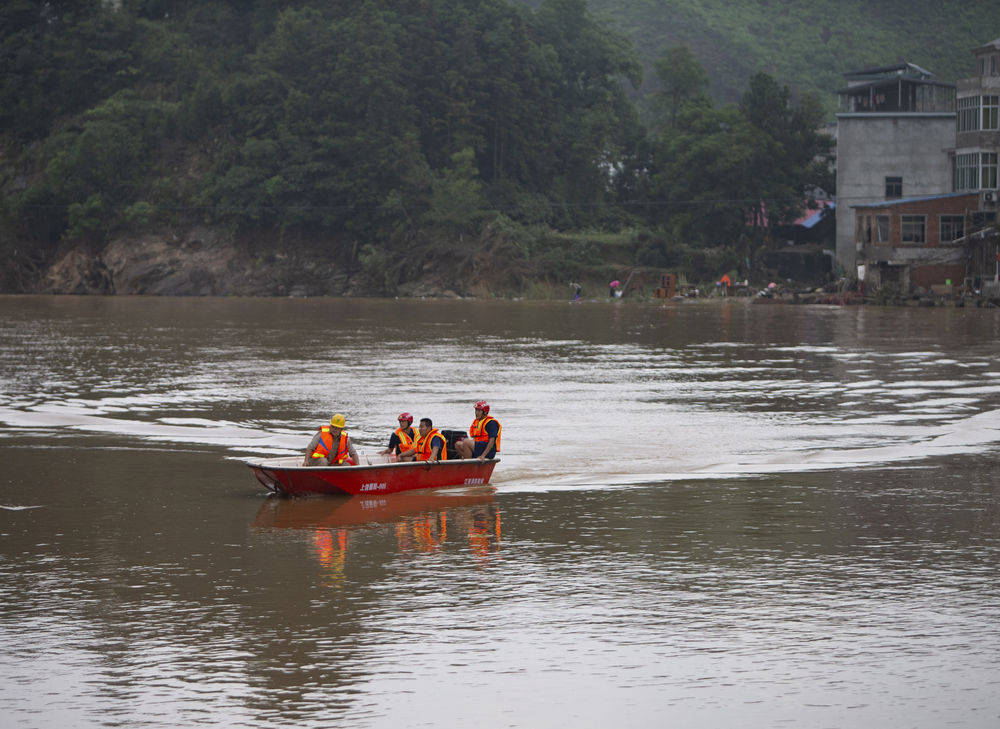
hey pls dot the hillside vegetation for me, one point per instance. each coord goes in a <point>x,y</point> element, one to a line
<point>807,44</point>
<point>482,145</point>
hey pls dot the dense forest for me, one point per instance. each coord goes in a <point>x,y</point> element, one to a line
<point>483,142</point>
<point>807,44</point>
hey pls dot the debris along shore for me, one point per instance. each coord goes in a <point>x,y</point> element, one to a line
<point>986,296</point>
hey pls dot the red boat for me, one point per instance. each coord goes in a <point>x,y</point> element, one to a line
<point>287,476</point>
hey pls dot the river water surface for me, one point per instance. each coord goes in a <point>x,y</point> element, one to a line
<point>705,515</point>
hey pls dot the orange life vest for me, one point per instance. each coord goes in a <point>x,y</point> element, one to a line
<point>406,441</point>
<point>325,446</point>
<point>424,446</point>
<point>477,431</point>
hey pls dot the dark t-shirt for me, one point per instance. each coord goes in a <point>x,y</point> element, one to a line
<point>492,428</point>
<point>438,440</point>
<point>394,441</point>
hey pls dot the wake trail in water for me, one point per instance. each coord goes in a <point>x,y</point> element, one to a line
<point>967,436</point>
<point>570,465</point>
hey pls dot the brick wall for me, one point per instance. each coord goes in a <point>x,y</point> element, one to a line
<point>931,209</point>
<point>936,274</point>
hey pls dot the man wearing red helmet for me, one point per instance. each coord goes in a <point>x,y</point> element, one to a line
<point>403,438</point>
<point>484,435</point>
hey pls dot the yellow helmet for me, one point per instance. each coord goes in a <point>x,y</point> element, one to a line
<point>338,421</point>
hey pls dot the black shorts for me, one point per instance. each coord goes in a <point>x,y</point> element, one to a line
<point>480,447</point>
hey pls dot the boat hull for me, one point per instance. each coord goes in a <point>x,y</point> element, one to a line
<point>283,477</point>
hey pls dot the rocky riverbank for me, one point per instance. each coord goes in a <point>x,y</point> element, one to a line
<point>202,261</point>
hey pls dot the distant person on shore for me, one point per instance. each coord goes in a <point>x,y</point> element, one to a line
<point>430,444</point>
<point>484,435</point>
<point>331,446</point>
<point>725,284</point>
<point>577,291</point>
<point>402,439</point>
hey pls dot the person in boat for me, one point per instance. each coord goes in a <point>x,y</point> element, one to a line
<point>331,446</point>
<point>403,438</point>
<point>484,435</point>
<point>430,444</point>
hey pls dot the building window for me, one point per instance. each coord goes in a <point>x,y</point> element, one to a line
<point>893,187</point>
<point>988,179</point>
<point>913,228</point>
<point>882,228</point>
<point>967,171</point>
<point>952,228</point>
<point>991,112</point>
<point>968,114</point>
<point>982,66</point>
<point>993,65</point>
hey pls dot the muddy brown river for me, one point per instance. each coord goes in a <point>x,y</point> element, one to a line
<point>705,515</point>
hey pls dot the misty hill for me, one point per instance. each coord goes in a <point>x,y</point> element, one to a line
<point>806,44</point>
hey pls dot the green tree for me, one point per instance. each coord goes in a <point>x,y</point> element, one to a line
<point>457,202</point>
<point>725,176</point>
<point>683,80</point>
<point>796,160</point>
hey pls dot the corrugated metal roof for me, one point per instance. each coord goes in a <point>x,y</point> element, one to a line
<point>904,200</point>
<point>814,215</point>
<point>891,81</point>
<point>895,68</point>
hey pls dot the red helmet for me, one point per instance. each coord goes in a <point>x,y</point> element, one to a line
<point>482,405</point>
<point>405,416</point>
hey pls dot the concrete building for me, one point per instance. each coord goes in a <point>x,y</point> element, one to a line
<point>895,132</point>
<point>977,135</point>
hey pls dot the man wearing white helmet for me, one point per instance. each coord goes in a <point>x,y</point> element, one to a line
<point>331,446</point>
<point>484,435</point>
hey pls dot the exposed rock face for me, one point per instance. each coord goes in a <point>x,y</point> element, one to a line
<point>201,261</point>
<point>198,265</point>
<point>198,262</point>
<point>77,272</point>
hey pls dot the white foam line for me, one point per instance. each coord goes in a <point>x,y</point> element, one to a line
<point>962,437</point>
<point>217,434</point>
<point>971,434</point>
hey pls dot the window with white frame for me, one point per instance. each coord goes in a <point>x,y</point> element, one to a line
<point>952,228</point>
<point>991,113</point>
<point>967,171</point>
<point>988,177</point>
<point>968,114</point>
<point>881,228</point>
<point>913,228</point>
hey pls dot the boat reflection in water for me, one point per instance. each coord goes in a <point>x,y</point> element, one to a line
<point>421,521</point>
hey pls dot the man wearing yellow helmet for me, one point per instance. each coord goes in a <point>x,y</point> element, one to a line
<point>331,446</point>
